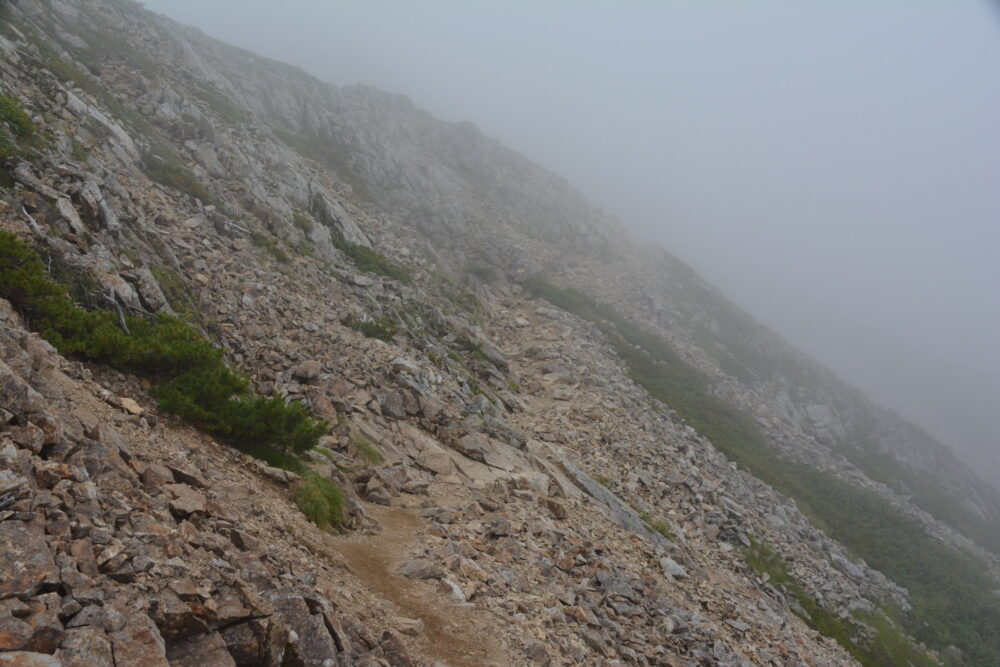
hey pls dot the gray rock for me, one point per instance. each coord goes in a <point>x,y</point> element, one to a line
<point>671,569</point>
<point>307,370</point>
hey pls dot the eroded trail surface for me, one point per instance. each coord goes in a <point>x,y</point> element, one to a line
<point>454,634</point>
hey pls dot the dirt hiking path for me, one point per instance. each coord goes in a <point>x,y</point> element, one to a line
<point>456,635</point>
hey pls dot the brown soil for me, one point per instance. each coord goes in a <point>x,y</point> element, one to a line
<point>454,634</point>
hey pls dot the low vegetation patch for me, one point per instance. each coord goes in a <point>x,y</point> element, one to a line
<point>270,246</point>
<point>17,132</point>
<point>886,646</point>
<point>951,592</point>
<point>368,260</point>
<point>190,377</point>
<point>168,171</point>
<point>658,525</point>
<point>302,222</point>
<point>382,328</point>
<point>15,118</point>
<point>332,155</point>
<point>367,451</point>
<point>320,500</point>
<point>178,295</point>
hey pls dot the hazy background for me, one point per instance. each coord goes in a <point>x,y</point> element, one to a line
<point>833,167</point>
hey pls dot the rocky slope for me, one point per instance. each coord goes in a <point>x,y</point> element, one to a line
<point>516,492</point>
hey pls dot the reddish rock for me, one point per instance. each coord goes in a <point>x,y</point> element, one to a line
<point>25,559</point>
<point>139,643</point>
<point>185,500</point>
<point>14,633</point>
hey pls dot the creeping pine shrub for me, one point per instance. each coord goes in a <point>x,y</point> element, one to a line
<point>190,375</point>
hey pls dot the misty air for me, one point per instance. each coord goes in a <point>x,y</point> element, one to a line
<point>499,333</point>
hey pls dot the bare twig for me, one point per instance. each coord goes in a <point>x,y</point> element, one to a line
<point>239,227</point>
<point>121,313</point>
<point>31,222</point>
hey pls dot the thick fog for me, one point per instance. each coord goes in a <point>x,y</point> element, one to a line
<point>833,167</point>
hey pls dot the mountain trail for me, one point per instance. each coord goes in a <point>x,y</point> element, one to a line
<point>454,634</point>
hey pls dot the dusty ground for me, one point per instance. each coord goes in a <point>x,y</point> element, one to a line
<point>454,634</point>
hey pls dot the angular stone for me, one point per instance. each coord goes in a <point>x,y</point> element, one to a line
<point>185,473</point>
<point>28,659</point>
<point>25,560</point>
<point>46,629</point>
<point>207,650</point>
<point>315,645</point>
<point>452,590</point>
<point>139,643</point>
<point>155,475</point>
<point>14,633</point>
<point>174,617</point>
<point>260,641</point>
<point>307,370</point>
<point>84,647</point>
<point>408,626</point>
<point>89,615</point>
<point>17,396</point>
<point>671,569</point>
<point>391,403</point>
<point>737,625</point>
<point>420,569</point>
<point>185,500</point>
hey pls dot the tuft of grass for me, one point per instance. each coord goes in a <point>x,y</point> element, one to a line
<point>169,172</point>
<point>270,246</point>
<point>367,451</point>
<point>603,480</point>
<point>17,132</point>
<point>320,500</point>
<point>658,525</point>
<point>383,328</point>
<point>79,151</point>
<point>327,453</point>
<point>180,297</point>
<point>302,222</point>
<point>368,260</point>
<point>14,117</point>
<point>473,348</point>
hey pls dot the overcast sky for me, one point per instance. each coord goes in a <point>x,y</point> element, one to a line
<point>834,167</point>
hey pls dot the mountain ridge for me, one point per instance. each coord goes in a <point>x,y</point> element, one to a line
<point>206,154</point>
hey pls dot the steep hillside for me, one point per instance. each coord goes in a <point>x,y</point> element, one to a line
<point>300,375</point>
